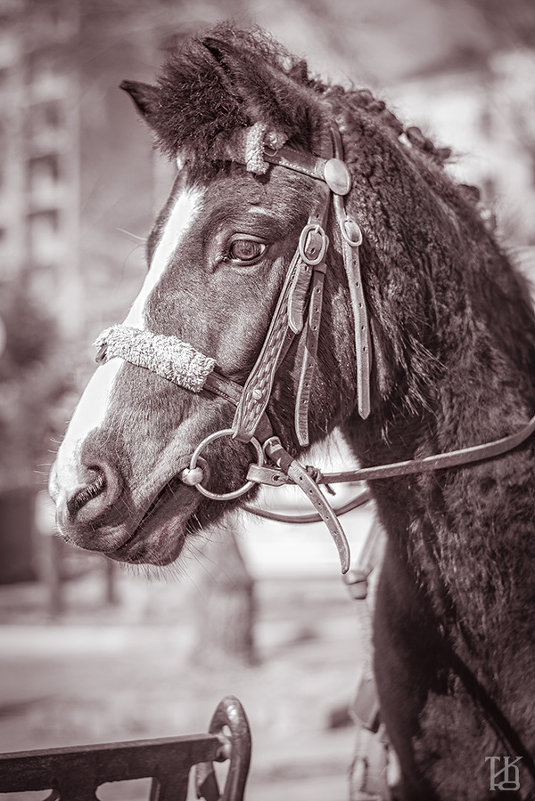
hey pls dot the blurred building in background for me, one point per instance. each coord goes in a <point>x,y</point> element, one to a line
<point>40,297</point>
<point>80,180</point>
<point>39,206</point>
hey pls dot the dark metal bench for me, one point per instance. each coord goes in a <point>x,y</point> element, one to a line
<point>74,774</point>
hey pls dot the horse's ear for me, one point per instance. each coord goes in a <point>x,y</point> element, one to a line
<point>271,89</point>
<point>216,47</point>
<point>144,96</point>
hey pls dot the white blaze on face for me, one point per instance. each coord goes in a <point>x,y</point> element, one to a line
<point>176,226</point>
<point>95,401</point>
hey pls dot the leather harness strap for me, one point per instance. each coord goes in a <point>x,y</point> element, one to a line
<point>287,320</point>
<point>428,464</point>
<point>299,476</point>
<point>305,163</point>
<point>288,316</point>
<point>363,497</point>
<point>351,240</point>
<point>335,174</point>
<point>314,261</point>
<point>363,349</point>
<point>307,354</point>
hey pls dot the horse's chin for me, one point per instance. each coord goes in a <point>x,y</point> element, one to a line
<point>158,545</point>
<point>160,536</point>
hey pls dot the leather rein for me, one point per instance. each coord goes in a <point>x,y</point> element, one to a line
<point>297,314</point>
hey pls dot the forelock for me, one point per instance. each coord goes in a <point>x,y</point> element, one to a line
<point>211,86</point>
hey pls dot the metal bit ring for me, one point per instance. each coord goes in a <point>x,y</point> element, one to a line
<point>224,496</point>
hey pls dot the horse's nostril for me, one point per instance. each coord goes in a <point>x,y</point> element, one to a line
<point>86,494</point>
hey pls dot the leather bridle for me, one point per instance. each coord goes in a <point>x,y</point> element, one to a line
<point>298,314</point>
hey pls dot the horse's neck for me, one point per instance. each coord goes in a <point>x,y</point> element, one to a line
<point>464,375</point>
<point>459,530</point>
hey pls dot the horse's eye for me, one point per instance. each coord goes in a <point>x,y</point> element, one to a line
<point>246,250</point>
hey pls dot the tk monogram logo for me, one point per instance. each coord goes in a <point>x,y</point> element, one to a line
<point>506,777</point>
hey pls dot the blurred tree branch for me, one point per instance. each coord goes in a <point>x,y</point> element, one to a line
<point>33,379</point>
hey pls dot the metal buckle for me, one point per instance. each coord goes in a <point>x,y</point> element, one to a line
<point>272,476</point>
<point>223,496</point>
<point>304,244</point>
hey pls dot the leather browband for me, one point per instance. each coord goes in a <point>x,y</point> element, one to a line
<point>305,163</point>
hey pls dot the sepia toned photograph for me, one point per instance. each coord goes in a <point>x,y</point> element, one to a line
<point>267,400</point>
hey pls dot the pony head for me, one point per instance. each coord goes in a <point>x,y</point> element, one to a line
<point>219,254</point>
<point>217,258</point>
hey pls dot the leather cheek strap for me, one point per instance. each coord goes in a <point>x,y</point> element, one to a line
<point>217,384</point>
<point>307,354</point>
<point>351,240</point>
<point>286,321</point>
<point>351,237</point>
<point>257,390</point>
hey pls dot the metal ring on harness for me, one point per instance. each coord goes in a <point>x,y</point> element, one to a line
<point>351,232</point>
<point>224,496</point>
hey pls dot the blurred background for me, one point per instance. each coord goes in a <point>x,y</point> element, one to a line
<point>91,652</point>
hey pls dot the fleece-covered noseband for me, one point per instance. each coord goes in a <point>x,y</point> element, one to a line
<point>167,356</point>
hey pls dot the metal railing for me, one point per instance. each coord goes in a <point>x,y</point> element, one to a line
<point>75,773</point>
